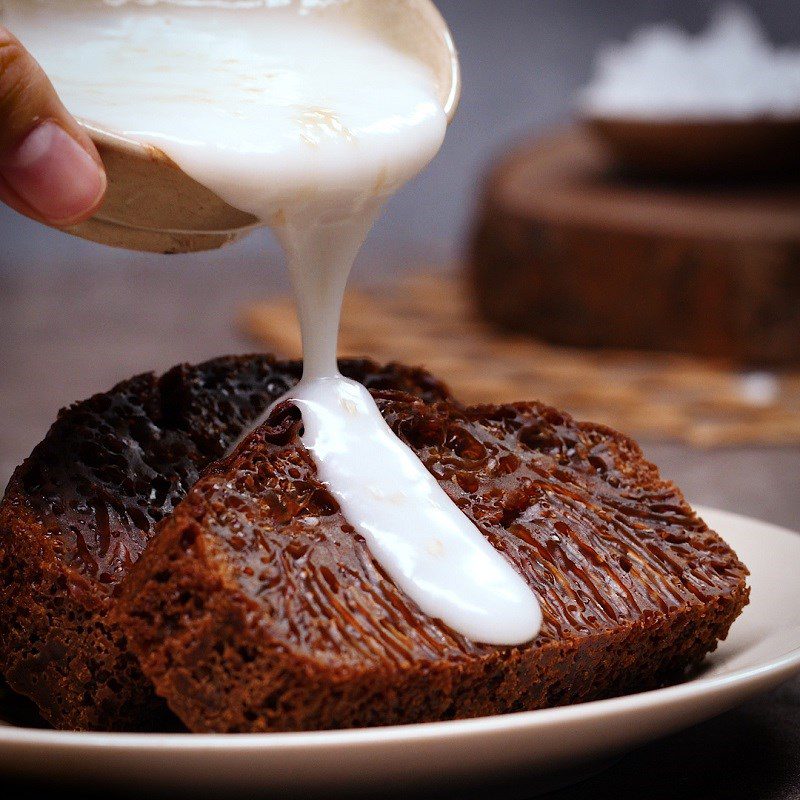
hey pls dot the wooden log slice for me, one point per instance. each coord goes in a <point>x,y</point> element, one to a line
<point>568,250</point>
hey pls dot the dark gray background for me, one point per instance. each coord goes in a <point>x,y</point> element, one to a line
<point>76,317</point>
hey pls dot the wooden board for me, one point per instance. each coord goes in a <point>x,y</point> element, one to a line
<point>428,319</point>
<point>567,249</point>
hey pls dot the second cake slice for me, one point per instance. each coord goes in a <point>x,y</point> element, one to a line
<point>258,608</point>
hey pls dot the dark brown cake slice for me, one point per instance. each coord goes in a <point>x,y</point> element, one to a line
<point>77,514</point>
<point>258,608</point>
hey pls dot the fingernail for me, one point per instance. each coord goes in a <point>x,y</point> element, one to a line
<point>53,174</point>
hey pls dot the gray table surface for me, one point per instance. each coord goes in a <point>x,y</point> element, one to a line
<point>75,318</point>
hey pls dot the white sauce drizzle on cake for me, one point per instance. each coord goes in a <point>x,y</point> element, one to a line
<point>310,126</point>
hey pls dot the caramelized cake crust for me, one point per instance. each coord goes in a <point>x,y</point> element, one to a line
<point>78,513</point>
<point>258,608</point>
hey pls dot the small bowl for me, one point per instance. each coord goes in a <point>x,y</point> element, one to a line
<point>702,148</point>
<point>153,205</point>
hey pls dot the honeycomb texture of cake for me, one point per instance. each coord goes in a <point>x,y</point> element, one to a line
<point>257,607</point>
<point>78,512</point>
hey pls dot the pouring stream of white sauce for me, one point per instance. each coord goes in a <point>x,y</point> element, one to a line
<point>310,126</point>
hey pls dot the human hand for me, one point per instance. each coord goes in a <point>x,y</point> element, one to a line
<point>49,168</point>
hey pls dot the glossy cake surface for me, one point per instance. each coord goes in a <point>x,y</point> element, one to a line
<point>80,510</point>
<point>257,607</point>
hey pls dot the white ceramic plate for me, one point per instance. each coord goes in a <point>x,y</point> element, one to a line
<point>763,649</point>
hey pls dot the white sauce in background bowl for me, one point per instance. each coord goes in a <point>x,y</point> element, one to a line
<point>310,126</point>
<point>730,71</point>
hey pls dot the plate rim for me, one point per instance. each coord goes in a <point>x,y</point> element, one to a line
<point>775,669</point>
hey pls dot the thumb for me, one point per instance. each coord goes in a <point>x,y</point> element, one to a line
<point>49,168</point>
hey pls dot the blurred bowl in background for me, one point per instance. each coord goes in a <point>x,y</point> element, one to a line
<point>729,149</point>
<point>720,103</point>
